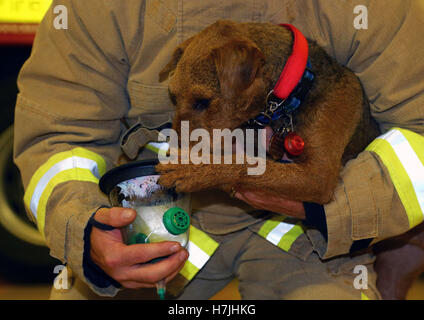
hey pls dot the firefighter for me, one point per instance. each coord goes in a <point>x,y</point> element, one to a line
<point>85,85</point>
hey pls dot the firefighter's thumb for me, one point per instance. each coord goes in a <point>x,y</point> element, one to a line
<point>116,217</point>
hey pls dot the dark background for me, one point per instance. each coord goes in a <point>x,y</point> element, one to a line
<point>20,261</point>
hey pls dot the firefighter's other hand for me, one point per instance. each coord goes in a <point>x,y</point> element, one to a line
<point>127,263</point>
<point>262,200</point>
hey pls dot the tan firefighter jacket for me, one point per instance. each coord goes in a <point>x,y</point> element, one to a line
<point>82,84</point>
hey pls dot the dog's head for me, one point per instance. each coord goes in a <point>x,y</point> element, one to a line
<point>216,78</point>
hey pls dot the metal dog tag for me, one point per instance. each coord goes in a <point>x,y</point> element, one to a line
<point>276,145</point>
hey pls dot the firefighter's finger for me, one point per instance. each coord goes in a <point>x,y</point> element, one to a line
<point>142,253</point>
<point>151,273</point>
<point>116,217</point>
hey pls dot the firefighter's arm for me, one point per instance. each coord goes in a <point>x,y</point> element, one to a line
<point>67,120</point>
<point>380,193</point>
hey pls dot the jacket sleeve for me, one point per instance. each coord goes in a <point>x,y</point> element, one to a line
<point>67,119</point>
<point>380,193</point>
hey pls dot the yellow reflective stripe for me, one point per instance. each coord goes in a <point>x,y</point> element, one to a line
<point>160,148</point>
<point>399,178</point>
<point>416,141</point>
<point>80,152</point>
<point>364,296</point>
<point>189,270</point>
<point>90,167</point>
<point>23,11</point>
<point>269,225</point>
<point>64,176</point>
<point>281,233</point>
<point>402,151</point>
<point>290,237</point>
<point>201,247</point>
<point>202,240</point>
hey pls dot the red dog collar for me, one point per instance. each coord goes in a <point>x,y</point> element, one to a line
<point>292,86</point>
<point>295,65</point>
<point>290,91</point>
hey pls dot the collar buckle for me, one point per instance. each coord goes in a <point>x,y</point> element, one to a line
<point>273,102</point>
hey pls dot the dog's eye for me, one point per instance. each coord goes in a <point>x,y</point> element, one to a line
<point>201,104</point>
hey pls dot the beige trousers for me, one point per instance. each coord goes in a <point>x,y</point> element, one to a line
<point>264,272</point>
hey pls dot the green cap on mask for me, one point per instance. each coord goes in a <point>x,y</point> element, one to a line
<point>176,220</point>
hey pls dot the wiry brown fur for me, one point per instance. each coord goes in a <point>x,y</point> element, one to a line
<point>235,65</point>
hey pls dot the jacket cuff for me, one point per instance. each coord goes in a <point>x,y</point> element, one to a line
<point>339,227</point>
<point>315,217</point>
<point>78,253</point>
<point>67,235</point>
<point>92,271</point>
<point>360,201</point>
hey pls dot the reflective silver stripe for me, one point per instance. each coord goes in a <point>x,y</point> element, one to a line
<point>196,255</point>
<point>158,147</point>
<point>278,232</point>
<point>410,161</point>
<point>66,164</point>
<point>200,247</point>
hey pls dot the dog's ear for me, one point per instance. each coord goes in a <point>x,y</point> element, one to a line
<point>238,63</point>
<point>176,56</point>
<point>165,72</point>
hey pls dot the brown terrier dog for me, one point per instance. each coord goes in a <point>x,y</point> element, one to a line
<point>221,79</point>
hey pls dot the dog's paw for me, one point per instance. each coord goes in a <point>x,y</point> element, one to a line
<point>182,177</point>
<point>167,176</point>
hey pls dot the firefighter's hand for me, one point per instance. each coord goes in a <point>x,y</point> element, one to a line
<point>262,200</point>
<point>127,263</point>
